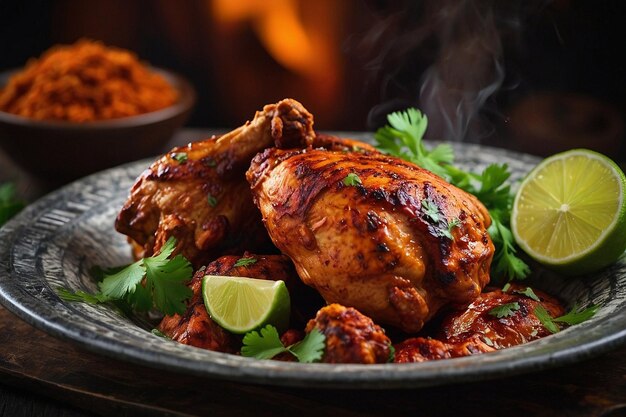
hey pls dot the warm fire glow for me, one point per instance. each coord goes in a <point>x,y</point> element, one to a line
<point>308,48</point>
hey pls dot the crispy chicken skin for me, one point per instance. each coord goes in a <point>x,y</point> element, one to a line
<point>379,244</point>
<point>351,337</point>
<point>473,330</point>
<point>198,192</point>
<point>196,328</point>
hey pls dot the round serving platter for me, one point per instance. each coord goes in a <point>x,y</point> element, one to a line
<point>57,240</point>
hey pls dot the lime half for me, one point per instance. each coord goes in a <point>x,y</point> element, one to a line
<point>241,304</point>
<point>569,213</point>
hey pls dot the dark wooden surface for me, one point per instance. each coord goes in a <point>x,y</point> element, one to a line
<point>44,376</point>
<point>51,377</point>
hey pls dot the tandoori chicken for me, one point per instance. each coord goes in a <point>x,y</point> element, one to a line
<point>374,232</point>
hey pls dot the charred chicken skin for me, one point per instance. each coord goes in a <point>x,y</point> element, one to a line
<point>196,328</point>
<point>198,193</point>
<point>374,232</point>
<point>474,330</point>
<point>351,337</point>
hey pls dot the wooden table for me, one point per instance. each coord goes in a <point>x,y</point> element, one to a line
<point>44,376</point>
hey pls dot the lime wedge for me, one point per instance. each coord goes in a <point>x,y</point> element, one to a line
<point>569,213</point>
<point>241,304</point>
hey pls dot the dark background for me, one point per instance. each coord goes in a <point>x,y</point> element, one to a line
<point>381,53</point>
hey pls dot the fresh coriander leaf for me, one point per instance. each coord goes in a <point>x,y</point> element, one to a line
<point>167,280</point>
<point>352,180</point>
<point>311,348</point>
<point>528,292</point>
<point>159,333</point>
<point>245,261</point>
<point>9,203</point>
<point>140,299</point>
<point>505,261</point>
<point>403,137</point>
<point>451,225</point>
<point>83,296</point>
<point>546,320</point>
<point>431,209</point>
<point>506,287</point>
<point>264,344</point>
<point>212,200</point>
<point>576,317</point>
<point>505,310</point>
<point>181,157</point>
<point>164,288</point>
<point>125,281</point>
<point>392,354</point>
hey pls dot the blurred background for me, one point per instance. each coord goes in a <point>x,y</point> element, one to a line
<point>535,76</point>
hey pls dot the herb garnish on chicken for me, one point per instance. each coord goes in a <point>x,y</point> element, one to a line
<point>403,138</point>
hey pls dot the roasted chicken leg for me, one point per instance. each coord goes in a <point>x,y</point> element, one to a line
<point>374,232</point>
<point>198,193</point>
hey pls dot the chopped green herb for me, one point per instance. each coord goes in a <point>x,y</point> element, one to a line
<point>574,316</point>
<point>545,319</point>
<point>403,137</point>
<point>245,261</point>
<point>164,288</point>
<point>212,200</point>
<point>10,205</point>
<point>506,287</point>
<point>210,162</point>
<point>181,157</point>
<point>451,225</point>
<point>266,343</point>
<point>431,209</point>
<point>528,292</point>
<point>352,180</point>
<point>159,333</point>
<point>505,310</point>
<point>392,354</point>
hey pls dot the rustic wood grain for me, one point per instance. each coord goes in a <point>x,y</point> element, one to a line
<point>32,360</point>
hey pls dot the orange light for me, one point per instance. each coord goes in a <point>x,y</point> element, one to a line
<point>283,34</point>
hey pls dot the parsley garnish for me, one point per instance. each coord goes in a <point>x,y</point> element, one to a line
<point>574,316</point>
<point>352,180</point>
<point>212,200</point>
<point>505,310</point>
<point>266,344</point>
<point>181,157</point>
<point>528,292</point>
<point>164,288</point>
<point>9,204</point>
<point>431,209</point>
<point>402,137</point>
<point>245,261</point>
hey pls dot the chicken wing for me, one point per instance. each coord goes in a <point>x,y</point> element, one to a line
<point>198,192</point>
<point>374,232</point>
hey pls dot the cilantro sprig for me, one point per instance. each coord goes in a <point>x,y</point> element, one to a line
<point>574,316</point>
<point>403,137</point>
<point>156,282</point>
<point>505,310</point>
<point>266,343</point>
<point>10,205</point>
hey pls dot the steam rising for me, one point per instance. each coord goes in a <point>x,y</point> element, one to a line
<point>445,57</point>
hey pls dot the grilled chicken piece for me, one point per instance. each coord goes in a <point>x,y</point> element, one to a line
<point>374,232</point>
<point>198,192</point>
<point>474,330</point>
<point>351,337</point>
<point>196,328</point>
